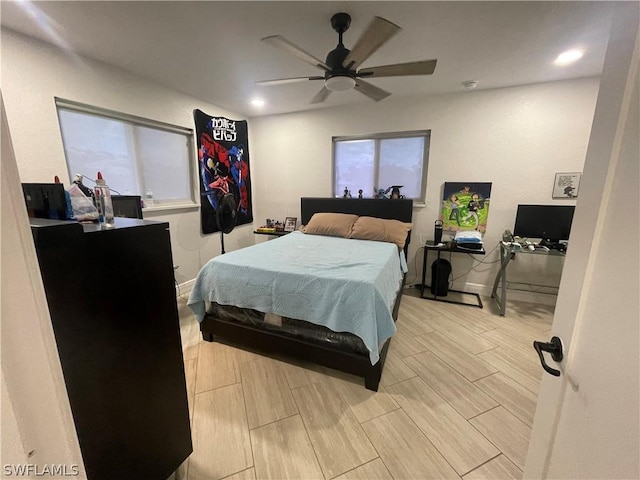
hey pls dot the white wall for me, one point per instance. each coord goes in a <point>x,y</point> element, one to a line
<point>517,138</point>
<point>33,73</point>
<point>37,426</point>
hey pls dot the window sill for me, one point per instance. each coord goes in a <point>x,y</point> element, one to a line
<point>166,208</point>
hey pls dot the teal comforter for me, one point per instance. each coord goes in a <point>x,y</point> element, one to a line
<point>346,285</point>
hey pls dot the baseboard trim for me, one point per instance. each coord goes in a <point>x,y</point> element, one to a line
<point>542,298</point>
<point>532,297</point>
<point>183,289</point>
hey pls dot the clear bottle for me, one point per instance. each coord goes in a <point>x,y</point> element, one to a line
<point>103,202</point>
<point>148,199</point>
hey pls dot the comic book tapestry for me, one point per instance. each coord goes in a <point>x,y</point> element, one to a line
<point>465,206</point>
<point>223,163</point>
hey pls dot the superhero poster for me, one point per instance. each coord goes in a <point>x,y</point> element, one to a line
<point>223,163</point>
<point>465,206</point>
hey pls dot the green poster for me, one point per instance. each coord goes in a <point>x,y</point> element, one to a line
<point>465,206</point>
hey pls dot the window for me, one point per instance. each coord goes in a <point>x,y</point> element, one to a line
<point>379,161</point>
<point>134,154</point>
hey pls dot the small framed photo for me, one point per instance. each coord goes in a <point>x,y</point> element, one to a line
<point>566,185</point>
<point>290,224</point>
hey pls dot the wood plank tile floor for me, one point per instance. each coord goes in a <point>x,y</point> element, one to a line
<point>456,400</point>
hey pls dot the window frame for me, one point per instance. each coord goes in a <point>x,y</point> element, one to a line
<point>377,137</point>
<point>137,166</point>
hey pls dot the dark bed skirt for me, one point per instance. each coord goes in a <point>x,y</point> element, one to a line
<point>270,341</point>
<point>273,342</point>
<point>313,333</point>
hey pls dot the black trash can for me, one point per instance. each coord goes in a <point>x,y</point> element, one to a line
<point>440,271</point>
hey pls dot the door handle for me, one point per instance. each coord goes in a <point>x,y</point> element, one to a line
<point>554,347</point>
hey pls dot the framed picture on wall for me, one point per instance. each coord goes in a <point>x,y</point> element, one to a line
<point>465,206</point>
<point>290,224</point>
<point>566,185</point>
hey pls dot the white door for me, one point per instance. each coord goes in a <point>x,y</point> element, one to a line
<point>587,422</point>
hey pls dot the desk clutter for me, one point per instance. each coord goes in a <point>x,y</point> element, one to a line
<point>274,227</point>
<point>271,226</point>
<point>525,245</point>
<point>469,240</point>
<point>517,244</point>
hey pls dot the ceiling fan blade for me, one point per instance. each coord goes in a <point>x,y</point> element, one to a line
<point>371,91</point>
<point>278,41</point>
<point>377,33</point>
<point>321,96</point>
<point>280,81</point>
<point>425,67</point>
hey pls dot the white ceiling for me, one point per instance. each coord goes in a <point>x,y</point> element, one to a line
<point>212,50</point>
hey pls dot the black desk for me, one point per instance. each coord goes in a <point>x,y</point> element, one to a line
<point>508,253</point>
<point>447,247</point>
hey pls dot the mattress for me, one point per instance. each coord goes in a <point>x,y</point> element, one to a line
<point>345,285</point>
<point>297,328</point>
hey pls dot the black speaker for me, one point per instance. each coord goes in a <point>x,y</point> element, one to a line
<point>440,271</point>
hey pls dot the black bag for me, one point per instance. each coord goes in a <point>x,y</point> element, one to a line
<point>440,271</point>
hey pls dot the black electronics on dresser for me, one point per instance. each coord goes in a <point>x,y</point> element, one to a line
<point>45,200</point>
<point>129,206</point>
<point>112,302</point>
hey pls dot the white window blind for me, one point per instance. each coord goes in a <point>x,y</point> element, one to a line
<point>134,154</point>
<point>373,162</point>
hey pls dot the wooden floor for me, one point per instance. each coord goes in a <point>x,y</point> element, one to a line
<point>456,400</point>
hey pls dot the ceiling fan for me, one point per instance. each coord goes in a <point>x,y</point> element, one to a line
<point>341,66</point>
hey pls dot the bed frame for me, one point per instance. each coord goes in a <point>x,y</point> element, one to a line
<point>273,342</point>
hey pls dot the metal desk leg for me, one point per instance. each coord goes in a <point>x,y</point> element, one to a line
<point>424,268</point>
<point>505,258</point>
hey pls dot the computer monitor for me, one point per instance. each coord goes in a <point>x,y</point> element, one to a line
<point>45,200</point>
<point>129,206</point>
<point>551,223</point>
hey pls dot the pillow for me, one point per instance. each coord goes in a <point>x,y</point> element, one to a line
<point>331,224</point>
<point>380,230</point>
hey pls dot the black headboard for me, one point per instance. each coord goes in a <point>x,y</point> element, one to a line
<point>365,207</point>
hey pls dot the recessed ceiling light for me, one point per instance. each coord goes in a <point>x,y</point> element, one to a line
<point>568,57</point>
<point>257,102</point>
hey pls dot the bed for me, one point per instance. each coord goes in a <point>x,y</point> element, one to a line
<point>315,298</point>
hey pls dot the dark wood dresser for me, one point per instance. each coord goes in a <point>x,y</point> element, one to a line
<point>112,301</point>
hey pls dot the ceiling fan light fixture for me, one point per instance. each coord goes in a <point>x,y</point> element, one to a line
<point>339,83</point>
<point>341,68</point>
